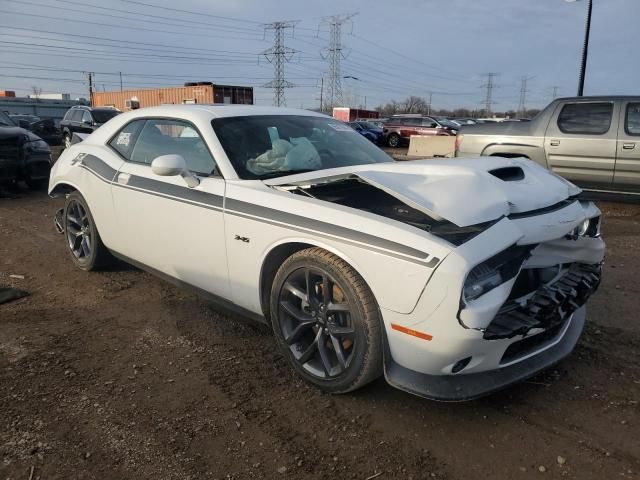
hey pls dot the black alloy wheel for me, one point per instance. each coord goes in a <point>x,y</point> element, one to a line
<point>326,321</point>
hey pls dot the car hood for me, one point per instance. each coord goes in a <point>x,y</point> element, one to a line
<point>463,191</point>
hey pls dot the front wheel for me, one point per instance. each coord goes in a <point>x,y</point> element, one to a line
<point>326,321</point>
<point>83,240</point>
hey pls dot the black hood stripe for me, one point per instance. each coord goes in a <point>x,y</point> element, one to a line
<point>256,212</point>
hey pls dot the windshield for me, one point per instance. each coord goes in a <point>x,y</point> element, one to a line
<point>276,145</point>
<point>5,120</point>
<point>102,116</point>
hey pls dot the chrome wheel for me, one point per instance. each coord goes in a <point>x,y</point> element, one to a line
<point>394,140</point>
<point>316,322</point>
<point>78,230</point>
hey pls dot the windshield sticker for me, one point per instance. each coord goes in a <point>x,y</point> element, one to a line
<point>341,127</point>
<point>123,139</point>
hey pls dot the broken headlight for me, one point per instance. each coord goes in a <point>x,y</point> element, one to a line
<point>495,271</point>
<point>589,228</point>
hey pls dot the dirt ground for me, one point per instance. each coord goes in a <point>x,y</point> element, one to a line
<point>118,375</point>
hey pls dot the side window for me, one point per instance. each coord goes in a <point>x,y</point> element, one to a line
<point>77,115</point>
<point>414,122</point>
<point>632,121</point>
<point>585,118</point>
<point>68,115</point>
<point>429,123</point>
<point>86,117</point>
<point>166,136</point>
<point>125,139</point>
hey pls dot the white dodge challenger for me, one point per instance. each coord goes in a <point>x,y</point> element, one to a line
<point>454,278</point>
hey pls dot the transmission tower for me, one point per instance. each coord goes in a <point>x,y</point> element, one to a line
<point>488,100</point>
<point>522,108</point>
<point>335,52</point>
<point>279,54</point>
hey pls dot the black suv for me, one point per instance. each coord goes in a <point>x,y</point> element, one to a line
<point>83,119</point>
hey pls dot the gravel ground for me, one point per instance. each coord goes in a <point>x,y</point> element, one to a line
<point>118,375</point>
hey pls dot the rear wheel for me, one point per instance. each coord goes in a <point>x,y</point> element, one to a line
<point>83,240</point>
<point>393,140</point>
<point>326,321</point>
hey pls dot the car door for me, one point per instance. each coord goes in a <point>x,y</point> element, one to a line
<point>580,142</point>
<point>76,121</point>
<point>163,223</point>
<point>627,171</point>
<point>86,123</point>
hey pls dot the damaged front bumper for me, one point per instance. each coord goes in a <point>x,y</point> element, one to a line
<point>457,388</point>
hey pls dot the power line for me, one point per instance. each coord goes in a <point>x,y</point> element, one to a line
<point>335,54</point>
<point>279,54</point>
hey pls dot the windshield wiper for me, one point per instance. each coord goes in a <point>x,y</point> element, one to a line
<point>283,173</point>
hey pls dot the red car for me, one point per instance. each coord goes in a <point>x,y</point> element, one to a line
<point>398,130</point>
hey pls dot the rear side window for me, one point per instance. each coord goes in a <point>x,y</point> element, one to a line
<point>77,115</point>
<point>585,118</point>
<point>86,117</point>
<point>68,115</point>
<point>632,120</point>
<point>125,139</point>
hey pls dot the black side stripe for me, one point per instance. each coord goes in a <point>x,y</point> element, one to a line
<point>316,225</point>
<point>255,212</point>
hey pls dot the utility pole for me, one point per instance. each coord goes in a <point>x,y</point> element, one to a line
<point>335,53</point>
<point>120,80</point>
<point>279,55</point>
<point>488,100</point>
<point>429,105</point>
<point>321,94</point>
<point>90,79</point>
<point>555,92</point>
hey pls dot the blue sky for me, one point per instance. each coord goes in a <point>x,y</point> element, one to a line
<point>395,49</point>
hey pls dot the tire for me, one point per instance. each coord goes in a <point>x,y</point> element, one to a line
<point>81,234</point>
<point>66,140</point>
<point>394,140</point>
<point>332,341</point>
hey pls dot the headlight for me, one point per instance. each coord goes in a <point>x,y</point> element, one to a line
<point>495,271</point>
<point>589,228</point>
<point>478,285</point>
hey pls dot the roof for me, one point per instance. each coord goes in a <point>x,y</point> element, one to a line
<point>218,110</point>
<point>599,97</point>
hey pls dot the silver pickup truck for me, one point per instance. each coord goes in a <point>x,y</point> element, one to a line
<point>592,141</point>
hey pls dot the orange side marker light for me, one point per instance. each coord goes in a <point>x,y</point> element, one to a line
<point>408,331</point>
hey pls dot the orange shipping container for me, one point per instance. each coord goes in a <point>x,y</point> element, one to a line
<point>7,93</point>
<point>150,97</point>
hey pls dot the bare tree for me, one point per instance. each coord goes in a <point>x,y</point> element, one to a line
<point>37,91</point>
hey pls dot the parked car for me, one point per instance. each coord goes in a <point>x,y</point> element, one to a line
<point>84,119</point>
<point>45,128</point>
<point>454,277</point>
<point>592,141</point>
<point>368,130</point>
<point>463,121</point>
<point>23,155</point>
<point>398,130</point>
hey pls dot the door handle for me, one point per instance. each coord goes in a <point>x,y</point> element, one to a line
<point>123,178</point>
<point>554,143</point>
<point>628,146</point>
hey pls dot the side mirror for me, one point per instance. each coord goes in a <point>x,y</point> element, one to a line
<point>171,165</point>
